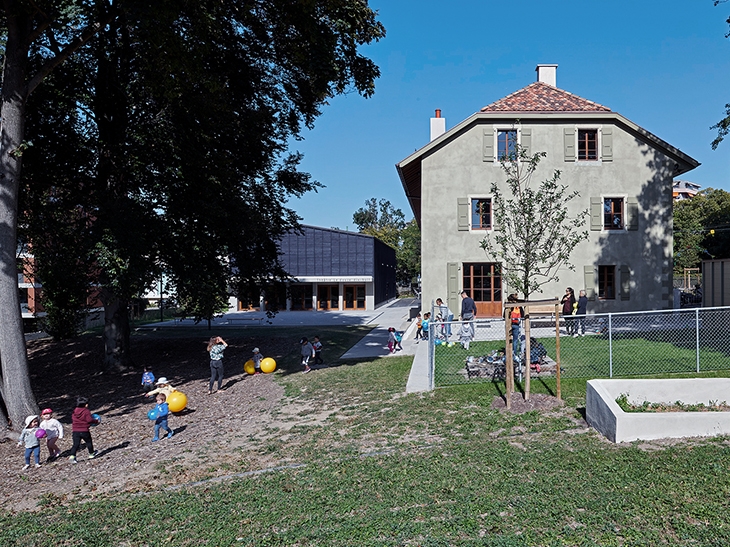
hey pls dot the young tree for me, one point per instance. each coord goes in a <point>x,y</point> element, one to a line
<point>534,235</point>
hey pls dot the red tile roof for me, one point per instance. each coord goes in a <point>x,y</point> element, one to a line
<point>542,97</point>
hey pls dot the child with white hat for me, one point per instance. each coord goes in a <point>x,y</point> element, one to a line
<point>31,440</point>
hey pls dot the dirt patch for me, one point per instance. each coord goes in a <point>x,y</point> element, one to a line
<point>207,432</point>
<point>519,405</point>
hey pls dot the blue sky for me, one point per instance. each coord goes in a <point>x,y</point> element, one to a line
<point>665,65</point>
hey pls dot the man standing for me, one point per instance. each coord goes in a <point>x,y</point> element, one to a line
<point>468,312</point>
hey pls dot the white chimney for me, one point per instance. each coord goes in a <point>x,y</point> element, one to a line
<point>547,74</point>
<point>438,125</point>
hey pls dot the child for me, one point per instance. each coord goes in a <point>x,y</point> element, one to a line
<point>317,345</point>
<point>257,357</point>
<point>162,412</point>
<point>81,419</point>
<point>393,340</point>
<point>54,431</point>
<point>419,327</point>
<point>148,380</point>
<point>307,352</point>
<point>163,386</point>
<point>32,443</point>
<point>424,325</point>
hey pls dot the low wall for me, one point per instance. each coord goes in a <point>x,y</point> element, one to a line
<point>604,414</point>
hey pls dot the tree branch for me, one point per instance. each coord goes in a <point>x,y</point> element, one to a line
<point>88,33</point>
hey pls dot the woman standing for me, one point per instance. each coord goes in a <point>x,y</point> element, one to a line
<point>568,302</point>
<point>216,347</point>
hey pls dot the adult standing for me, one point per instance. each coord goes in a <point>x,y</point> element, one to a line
<point>580,314</point>
<point>568,301</point>
<point>216,347</point>
<point>468,313</point>
<point>446,316</point>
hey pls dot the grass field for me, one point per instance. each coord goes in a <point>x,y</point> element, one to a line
<point>435,469</point>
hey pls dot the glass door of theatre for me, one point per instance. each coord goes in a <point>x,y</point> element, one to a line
<point>354,297</point>
<point>328,297</point>
<point>483,282</point>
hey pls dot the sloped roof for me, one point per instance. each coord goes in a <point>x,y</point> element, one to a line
<point>542,97</point>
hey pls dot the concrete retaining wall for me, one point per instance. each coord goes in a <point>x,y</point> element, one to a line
<point>604,414</point>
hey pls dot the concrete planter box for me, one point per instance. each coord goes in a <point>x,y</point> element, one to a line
<point>604,414</point>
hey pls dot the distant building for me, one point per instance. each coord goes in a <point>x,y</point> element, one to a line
<point>684,189</point>
<point>334,270</point>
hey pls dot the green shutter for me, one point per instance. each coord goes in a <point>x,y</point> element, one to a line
<point>463,213</point>
<point>526,140</point>
<point>488,145</point>
<point>452,286</point>
<point>607,144</point>
<point>569,143</point>
<point>596,213</point>
<point>589,281</point>
<point>632,213</point>
<point>625,282</point>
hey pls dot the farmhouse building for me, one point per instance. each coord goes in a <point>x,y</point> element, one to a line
<point>624,175</point>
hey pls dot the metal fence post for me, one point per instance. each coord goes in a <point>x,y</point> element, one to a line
<point>610,349</point>
<point>431,357</point>
<point>697,336</point>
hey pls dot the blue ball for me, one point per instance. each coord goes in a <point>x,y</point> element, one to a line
<point>97,418</point>
<point>152,415</point>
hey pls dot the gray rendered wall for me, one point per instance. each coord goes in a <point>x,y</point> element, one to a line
<point>456,169</point>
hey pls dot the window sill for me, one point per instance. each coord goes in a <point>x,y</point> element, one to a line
<point>593,163</point>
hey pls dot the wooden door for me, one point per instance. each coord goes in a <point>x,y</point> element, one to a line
<point>483,282</point>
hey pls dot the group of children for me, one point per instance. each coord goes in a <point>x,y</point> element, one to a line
<point>422,326</point>
<point>47,427</point>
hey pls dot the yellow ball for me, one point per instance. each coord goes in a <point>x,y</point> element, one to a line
<point>249,367</point>
<point>268,365</point>
<point>177,401</point>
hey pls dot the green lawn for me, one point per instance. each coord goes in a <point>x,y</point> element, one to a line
<point>434,469</point>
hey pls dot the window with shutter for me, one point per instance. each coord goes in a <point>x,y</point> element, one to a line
<point>607,144</point>
<point>606,282</point>
<point>488,145</point>
<point>463,214</point>
<point>589,281</point>
<point>625,282</point>
<point>569,143</point>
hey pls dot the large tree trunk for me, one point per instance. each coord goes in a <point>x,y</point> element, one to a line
<point>16,391</point>
<point>117,355</point>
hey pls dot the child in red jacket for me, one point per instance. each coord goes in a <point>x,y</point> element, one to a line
<point>81,419</point>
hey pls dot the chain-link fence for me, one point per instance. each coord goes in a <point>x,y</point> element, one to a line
<point>596,346</point>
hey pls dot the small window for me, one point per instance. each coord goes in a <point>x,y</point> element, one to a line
<point>587,144</point>
<point>481,214</point>
<point>613,213</point>
<point>607,282</point>
<point>506,143</point>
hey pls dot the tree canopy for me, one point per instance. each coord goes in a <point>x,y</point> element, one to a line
<point>159,141</point>
<point>380,219</point>
<point>701,228</point>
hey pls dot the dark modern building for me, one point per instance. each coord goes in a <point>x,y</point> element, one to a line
<point>336,270</point>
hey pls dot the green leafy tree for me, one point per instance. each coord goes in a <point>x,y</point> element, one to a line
<point>534,235</point>
<point>186,110</point>
<point>409,256</point>
<point>380,219</point>
<point>689,233</point>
